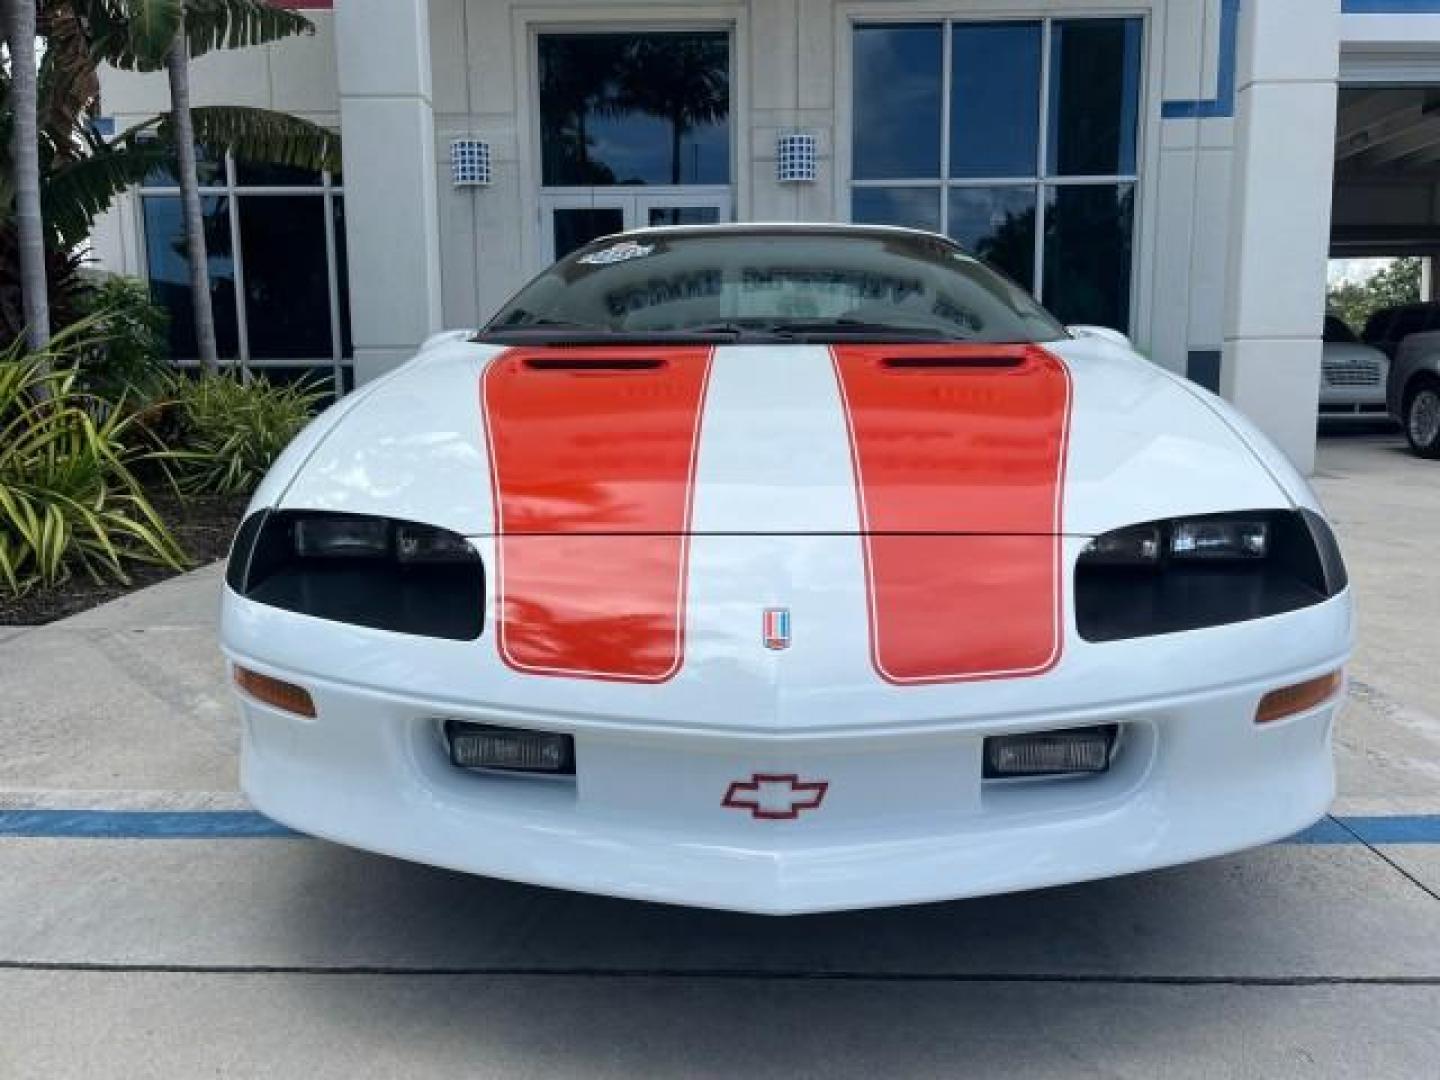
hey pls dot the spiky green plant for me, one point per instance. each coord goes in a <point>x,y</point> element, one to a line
<point>231,430</point>
<point>131,358</point>
<point>68,498</point>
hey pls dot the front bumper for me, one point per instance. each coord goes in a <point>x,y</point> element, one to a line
<point>1353,402</point>
<point>906,819</point>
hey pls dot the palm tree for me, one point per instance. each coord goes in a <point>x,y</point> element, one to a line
<point>147,35</point>
<point>177,66</point>
<point>25,168</point>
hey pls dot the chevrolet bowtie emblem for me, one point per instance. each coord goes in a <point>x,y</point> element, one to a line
<point>775,796</point>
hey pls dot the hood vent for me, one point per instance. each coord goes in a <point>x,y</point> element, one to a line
<point>594,365</point>
<point>951,363</point>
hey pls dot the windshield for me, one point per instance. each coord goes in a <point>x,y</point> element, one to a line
<point>809,285</point>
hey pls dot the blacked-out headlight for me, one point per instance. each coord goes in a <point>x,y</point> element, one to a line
<point>1138,546</point>
<point>342,536</point>
<point>1202,539</point>
<point>353,536</point>
<point>1232,539</point>
<point>1184,574</point>
<point>416,544</point>
<point>355,568</point>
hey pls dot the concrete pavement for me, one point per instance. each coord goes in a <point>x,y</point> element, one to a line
<point>245,957</point>
<point>1385,503</point>
<point>142,1025</point>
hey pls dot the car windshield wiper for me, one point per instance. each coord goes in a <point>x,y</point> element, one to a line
<point>806,330</point>
<point>737,331</point>
<point>543,325</point>
<point>859,327</point>
<point>561,332</point>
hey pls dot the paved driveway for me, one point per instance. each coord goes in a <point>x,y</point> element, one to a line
<point>242,955</point>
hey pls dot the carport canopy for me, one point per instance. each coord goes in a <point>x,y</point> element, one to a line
<point>1387,172</point>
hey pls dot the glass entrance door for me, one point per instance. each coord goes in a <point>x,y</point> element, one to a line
<point>572,219</point>
<point>634,130</point>
<point>690,207</point>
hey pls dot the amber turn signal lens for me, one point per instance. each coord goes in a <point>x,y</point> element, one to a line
<point>282,695</point>
<point>1289,700</point>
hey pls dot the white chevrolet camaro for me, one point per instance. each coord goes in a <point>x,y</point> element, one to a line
<point>785,569</point>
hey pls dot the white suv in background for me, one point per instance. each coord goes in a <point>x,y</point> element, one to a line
<point>1352,375</point>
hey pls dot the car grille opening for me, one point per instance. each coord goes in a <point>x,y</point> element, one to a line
<point>1352,374</point>
<point>594,364</point>
<point>951,363</point>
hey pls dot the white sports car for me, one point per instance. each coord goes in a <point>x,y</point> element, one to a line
<point>785,569</point>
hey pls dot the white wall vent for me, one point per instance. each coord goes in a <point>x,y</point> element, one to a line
<point>797,159</point>
<point>470,163</point>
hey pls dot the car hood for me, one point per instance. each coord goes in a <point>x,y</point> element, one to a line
<point>1074,437</point>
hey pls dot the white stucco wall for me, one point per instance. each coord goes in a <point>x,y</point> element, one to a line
<point>792,71</point>
<point>1198,195</point>
<point>1193,191</point>
<point>298,76</point>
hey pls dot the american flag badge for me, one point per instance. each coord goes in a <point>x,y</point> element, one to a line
<point>776,628</point>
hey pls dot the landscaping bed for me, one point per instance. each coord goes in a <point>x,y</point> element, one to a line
<point>203,526</point>
<point>116,466</point>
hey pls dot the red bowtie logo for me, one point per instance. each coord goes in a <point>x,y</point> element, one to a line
<point>775,796</point>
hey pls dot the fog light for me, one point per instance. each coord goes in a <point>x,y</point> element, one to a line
<point>482,746</point>
<point>1049,753</point>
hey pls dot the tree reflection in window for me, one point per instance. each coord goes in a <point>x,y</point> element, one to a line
<point>645,108</point>
<point>167,265</point>
<point>1019,158</point>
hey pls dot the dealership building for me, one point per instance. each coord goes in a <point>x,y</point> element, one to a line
<point>1177,169</point>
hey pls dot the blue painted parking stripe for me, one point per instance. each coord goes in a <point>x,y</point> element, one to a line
<point>247,824</point>
<point>1325,831</point>
<point>141,825</point>
<point>1396,829</point>
<point>1380,829</point>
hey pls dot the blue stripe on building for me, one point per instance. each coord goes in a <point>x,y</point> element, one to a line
<point>1390,7</point>
<point>1223,103</point>
<point>1203,366</point>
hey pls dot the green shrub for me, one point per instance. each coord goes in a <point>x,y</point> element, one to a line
<point>130,356</point>
<point>68,498</point>
<point>231,430</point>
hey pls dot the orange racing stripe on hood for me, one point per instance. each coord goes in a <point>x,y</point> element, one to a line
<point>959,456</point>
<point>592,461</point>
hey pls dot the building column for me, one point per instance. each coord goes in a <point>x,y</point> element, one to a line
<point>392,224</point>
<point>1288,66</point>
